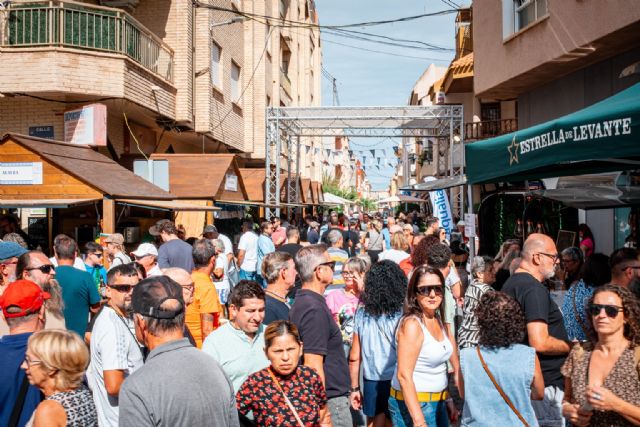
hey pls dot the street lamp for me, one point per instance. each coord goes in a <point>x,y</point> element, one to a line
<point>234,20</point>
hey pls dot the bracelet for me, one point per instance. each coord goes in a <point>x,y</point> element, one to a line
<point>354,389</point>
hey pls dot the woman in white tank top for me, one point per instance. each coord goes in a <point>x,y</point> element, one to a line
<point>419,385</point>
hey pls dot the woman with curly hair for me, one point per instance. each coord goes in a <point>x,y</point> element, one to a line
<point>602,377</point>
<point>501,329</point>
<point>373,337</point>
<point>425,344</point>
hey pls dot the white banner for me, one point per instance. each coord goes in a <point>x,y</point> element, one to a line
<point>442,210</point>
<point>18,173</point>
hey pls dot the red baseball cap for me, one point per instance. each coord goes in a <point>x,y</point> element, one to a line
<point>25,295</point>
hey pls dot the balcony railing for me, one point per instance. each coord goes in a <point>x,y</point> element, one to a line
<point>489,128</point>
<point>87,27</point>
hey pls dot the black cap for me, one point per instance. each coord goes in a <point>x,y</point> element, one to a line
<point>150,294</point>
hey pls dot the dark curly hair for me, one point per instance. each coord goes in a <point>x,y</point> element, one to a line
<point>419,254</point>
<point>385,286</point>
<point>500,320</point>
<point>631,310</point>
<point>411,304</point>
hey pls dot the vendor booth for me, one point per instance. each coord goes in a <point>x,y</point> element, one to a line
<point>72,189</point>
<point>599,139</point>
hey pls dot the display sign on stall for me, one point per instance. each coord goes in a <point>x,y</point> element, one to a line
<point>21,173</point>
<point>231,182</point>
<point>41,131</point>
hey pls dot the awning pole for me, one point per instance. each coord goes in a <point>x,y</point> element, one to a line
<point>108,216</point>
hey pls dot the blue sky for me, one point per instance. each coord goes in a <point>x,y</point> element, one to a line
<point>366,78</point>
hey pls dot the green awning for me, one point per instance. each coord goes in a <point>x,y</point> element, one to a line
<point>600,138</point>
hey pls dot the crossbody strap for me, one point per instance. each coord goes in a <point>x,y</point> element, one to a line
<point>504,396</point>
<point>286,399</point>
<point>19,404</point>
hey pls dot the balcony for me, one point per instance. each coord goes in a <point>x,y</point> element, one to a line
<point>71,48</point>
<point>489,128</point>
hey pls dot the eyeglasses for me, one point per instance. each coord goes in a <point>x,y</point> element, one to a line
<point>330,264</point>
<point>347,274</point>
<point>45,268</point>
<point>610,310</point>
<point>554,257</point>
<point>565,261</point>
<point>426,290</point>
<point>30,362</point>
<point>121,288</point>
<point>190,287</point>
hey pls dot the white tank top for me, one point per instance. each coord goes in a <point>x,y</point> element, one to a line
<point>430,373</point>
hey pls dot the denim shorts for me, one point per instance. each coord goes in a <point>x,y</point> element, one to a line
<point>375,397</point>
<point>435,413</point>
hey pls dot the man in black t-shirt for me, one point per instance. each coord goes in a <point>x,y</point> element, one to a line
<point>279,270</point>
<point>323,350</point>
<point>545,328</point>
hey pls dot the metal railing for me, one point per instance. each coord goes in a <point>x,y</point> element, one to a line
<point>83,26</point>
<point>489,128</point>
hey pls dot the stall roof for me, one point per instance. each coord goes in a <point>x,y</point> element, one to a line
<point>254,182</point>
<point>194,176</point>
<point>168,205</point>
<point>45,203</point>
<point>305,191</point>
<point>599,138</point>
<point>90,167</point>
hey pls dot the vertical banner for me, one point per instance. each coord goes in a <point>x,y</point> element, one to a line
<point>442,210</point>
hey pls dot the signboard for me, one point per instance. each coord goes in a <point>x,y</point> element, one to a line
<point>231,182</point>
<point>41,131</point>
<point>566,239</point>
<point>470,225</point>
<point>38,231</point>
<point>21,173</point>
<point>86,126</point>
<point>442,209</point>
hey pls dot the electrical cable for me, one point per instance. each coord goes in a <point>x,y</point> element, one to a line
<point>385,52</point>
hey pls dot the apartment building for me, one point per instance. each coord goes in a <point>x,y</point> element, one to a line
<point>174,78</point>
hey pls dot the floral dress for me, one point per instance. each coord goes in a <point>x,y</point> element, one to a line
<point>260,395</point>
<point>623,381</point>
<point>575,318</point>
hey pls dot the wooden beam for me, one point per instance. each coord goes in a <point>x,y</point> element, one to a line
<point>209,217</point>
<point>108,216</point>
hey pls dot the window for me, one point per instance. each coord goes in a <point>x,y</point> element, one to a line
<point>235,82</point>
<point>517,14</point>
<point>216,65</point>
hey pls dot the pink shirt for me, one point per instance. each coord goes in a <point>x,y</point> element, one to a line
<point>279,234</point>
<point>343,308</point>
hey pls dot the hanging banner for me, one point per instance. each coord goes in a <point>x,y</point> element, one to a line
<point>442,210</point>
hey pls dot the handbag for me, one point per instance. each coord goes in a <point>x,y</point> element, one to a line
<point>504,396</point>
<point>286,399</point>
<point>233,273</point>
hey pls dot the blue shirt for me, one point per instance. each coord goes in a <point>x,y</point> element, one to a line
<point>265,246</point>
<point>12,352</point>
<point>483,405</point>
<point>78,293</point>
<point>387,238</point>
<point>97,272</point>
<point>575,317</point>
<point>377,344</point>
<point>176,253</point>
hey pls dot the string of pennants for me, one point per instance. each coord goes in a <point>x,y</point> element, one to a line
<point>378,158</point>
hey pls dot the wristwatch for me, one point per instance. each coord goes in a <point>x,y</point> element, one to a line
<point>354,389</point>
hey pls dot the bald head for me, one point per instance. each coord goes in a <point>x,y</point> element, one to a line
<point>391,221</point>
<point>182,278</point>
<point>537,242</point>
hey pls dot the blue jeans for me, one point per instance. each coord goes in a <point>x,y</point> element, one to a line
<point>435,413</point>
<point>247,275</point>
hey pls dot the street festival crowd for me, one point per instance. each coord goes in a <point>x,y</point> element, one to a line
<point>343,320</point>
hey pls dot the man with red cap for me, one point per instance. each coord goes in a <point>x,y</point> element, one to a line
<point>22,305</point>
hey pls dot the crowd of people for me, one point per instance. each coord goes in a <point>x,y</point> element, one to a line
<point>346,321</point>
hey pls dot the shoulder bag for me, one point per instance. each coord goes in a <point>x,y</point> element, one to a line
<point>286,399</point>
<point>504,396</point>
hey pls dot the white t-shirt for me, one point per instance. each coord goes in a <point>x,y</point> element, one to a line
<point>223,286</point>
<point>228,247</point>
<point>113,347</point>
<point>77,263</point>
<point>249,244</point>
<point>393,255</point>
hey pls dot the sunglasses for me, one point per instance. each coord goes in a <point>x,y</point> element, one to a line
<point>98,254</point>
<point>45,269</point>
<point>426,290</point>
<point>330,264</point>
<point>610,310</point>
<point>121,288</point>
<point>189,288</point>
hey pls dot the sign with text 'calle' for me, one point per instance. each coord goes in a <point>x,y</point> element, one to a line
<point>21,173</point>
<point>86,126</point>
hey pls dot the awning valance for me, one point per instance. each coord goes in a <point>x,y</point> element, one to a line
<point>167,205</point>
<point>45,203</point>
<point>438,184</point>
<point>602,137</point>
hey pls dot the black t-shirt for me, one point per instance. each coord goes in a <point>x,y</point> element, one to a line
<point>290,248</point>
<point>274,310</point>
<point>537,304</point>
<point>321,335</point>
<point>350,239</point>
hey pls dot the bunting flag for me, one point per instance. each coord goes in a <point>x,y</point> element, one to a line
<point>379,160</point>
<point>350,153</point>
<point>328,151</point>
<point>373,153</point>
